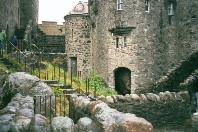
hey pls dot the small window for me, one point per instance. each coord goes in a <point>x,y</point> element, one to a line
<point>170,9</point>
<point>119,5</point>
<point>117,42</point>
<point>147,5</point>
<point>72,34</point>
<point>125,41</point>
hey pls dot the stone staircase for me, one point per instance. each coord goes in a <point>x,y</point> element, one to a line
<point>176,76</point>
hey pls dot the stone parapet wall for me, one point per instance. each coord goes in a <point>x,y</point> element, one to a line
<point>159,109</point>
<point>105,118</point>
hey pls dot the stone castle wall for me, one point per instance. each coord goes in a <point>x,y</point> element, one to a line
<point>16,14</point>
<point>52,28</point>
<point>78,41</point>
<point>155,45</point>
<point>28,10</point>
<point>9,16</point>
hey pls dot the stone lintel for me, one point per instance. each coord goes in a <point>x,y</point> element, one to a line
<point>121,30</point>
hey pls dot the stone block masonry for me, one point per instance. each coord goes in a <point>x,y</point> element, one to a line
<point>149,43</point>
<point>107,119</point>
<point>165,109</point>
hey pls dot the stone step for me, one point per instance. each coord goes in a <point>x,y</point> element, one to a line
<point>50,81</point>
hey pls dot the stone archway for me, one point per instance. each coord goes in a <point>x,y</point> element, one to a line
<point>122,80</point>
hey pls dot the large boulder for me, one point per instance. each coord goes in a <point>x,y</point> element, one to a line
<point>25,84</point>
<point>86,124</point>
<point>133,123</point>
<point>39,123</point>
<point>62,124</point>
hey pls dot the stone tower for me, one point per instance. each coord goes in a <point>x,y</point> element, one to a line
<point>78,40</point>
<point>136,42</point>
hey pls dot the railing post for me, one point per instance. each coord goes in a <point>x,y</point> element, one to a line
<point>71,76</point>
<point>54,72</point>
<point>55,104</point>
<point>39,69</point>
<point>60,104</point>
<point>94,89</point>
<point>59,72</point>
<point>47,74</point>
<point>86,86</point>
<point>50,108</point>
<point>45,105</point>
<point>64,78</point>
<point>69,106</point>
<point>25,64</point>
<point>34,98</point>
<point>64,106</point>
<point>40,105</point>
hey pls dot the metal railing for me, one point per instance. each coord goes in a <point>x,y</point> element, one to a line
<point>52,105</point>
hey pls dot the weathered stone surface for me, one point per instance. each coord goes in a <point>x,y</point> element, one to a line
<point>100,107</point>
<point>85,124</point>
<point>128,98</point>
<point>26,84</point>
<point>143,97</point>
<point>21,124</point>
<point>135,97</point>
<point>105,118</point>
<point>169,95</point>
<point>92,104</point>
<point>153,97</point>
<point>20,114</point>
<point>39,124</point>
<point>25,112</point>
<point>62,124</point>
<point>107,99</point>
<point>131,123</point>
<point>184,95</point>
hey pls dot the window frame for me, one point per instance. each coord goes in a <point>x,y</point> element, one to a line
<point>147,5</point>
<point>120,5</point>
<point>170,9</point>
<point>117,42</point>
<point>125,41</point>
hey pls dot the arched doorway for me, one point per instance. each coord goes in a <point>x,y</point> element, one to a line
<point>122,80</point>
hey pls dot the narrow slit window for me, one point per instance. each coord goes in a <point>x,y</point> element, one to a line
<point>72,33</point>
<point>119,5</point>
<point>125,41</point>
<point>117,42</point>
<point>147,5</point>
<point>170,9</point>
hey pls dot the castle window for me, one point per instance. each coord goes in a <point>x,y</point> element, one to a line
<point>119,5</point>
<point>117,42</point>
<point>72,34</point>
<point>170,9</point>
<point>125,41</point>
<point>147,5</point>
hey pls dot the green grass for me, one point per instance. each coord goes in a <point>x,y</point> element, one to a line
<point>95,81</point>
